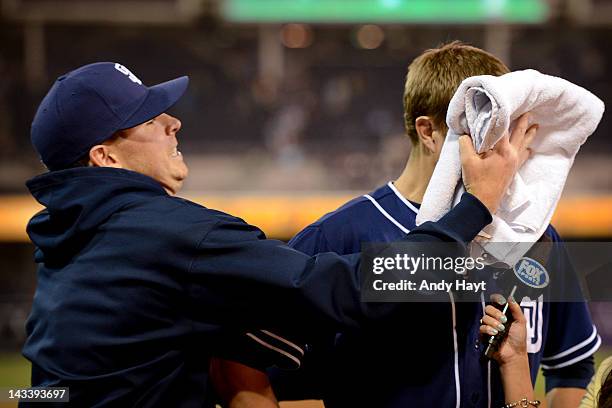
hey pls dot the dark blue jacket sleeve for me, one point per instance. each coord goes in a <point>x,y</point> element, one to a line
<point>250,282</point>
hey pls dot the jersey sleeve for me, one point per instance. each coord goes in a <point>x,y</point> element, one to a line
<point>576,375</point>
<point>572,337</point>
<point>571,341</point>
<point>311,240</point>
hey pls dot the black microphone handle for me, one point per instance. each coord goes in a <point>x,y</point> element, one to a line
<point>494,341</point>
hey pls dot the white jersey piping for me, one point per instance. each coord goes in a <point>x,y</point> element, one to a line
<point>573,348</point>
<point>575,359</point>
<point>401,197</point>
<point>386,214</point>
<point>456,347</point>
<point>482,302</point>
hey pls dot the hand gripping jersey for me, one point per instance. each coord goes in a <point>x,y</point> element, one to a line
<point>434,357</point>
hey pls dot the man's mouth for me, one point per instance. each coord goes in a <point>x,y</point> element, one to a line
<point>176,152</point>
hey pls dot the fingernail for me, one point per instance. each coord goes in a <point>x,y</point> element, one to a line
<point>493,332</point>
<point>501,300</point>
<point>503,319</point>
<point>501,327</point>
<point>512,300</point>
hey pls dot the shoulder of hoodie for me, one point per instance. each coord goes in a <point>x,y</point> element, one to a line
<point>181,210</point>
<point>190,222</point>
<point>185,224</point>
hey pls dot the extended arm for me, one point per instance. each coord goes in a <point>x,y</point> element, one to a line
<point>480,174</point>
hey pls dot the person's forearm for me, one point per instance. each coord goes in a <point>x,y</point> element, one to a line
<point>516,380</point>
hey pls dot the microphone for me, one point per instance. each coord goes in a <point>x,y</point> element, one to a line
<point>494,341</point>
<point>528,278</point>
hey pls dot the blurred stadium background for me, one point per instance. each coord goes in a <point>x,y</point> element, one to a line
<point>294,105</point>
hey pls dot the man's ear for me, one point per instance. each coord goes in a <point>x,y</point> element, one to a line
<point>424,126</point>
<point>103,156</point>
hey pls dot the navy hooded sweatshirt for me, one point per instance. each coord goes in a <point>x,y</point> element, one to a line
<point>138,289</point>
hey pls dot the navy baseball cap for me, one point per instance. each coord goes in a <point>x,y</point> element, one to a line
<point>87,106</point>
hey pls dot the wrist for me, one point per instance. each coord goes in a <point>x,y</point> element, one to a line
<point>466,219</point>
<point>516,380</point>
<point>519,363</point>
<point>486,201</point>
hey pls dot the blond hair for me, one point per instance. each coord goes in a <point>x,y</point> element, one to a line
<point>434,76</point>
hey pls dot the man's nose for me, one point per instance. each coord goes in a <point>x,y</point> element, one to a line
<point>173,124</point>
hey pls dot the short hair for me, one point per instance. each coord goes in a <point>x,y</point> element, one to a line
<point>434,76</point>
<point>84,161</point>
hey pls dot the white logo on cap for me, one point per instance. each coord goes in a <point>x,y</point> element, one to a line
<point>127,72</point>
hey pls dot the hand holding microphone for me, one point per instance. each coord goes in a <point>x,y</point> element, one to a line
<point>510,351</point>
<point>508,337</point>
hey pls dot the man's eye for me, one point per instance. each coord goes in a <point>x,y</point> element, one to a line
<point>151,121</point>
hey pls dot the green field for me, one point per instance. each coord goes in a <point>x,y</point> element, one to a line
<point>14,370</point>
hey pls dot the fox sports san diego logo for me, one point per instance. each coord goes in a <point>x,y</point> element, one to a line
<point>531,273</point>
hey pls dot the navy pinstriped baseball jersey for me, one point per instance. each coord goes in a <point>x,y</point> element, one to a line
<point>437,363</point>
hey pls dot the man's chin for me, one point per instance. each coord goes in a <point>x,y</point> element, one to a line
<point>178,183</point>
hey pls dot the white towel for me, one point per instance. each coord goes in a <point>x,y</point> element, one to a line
<point>485,107</point>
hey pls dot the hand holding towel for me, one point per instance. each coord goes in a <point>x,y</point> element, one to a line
<point>485,107</point>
